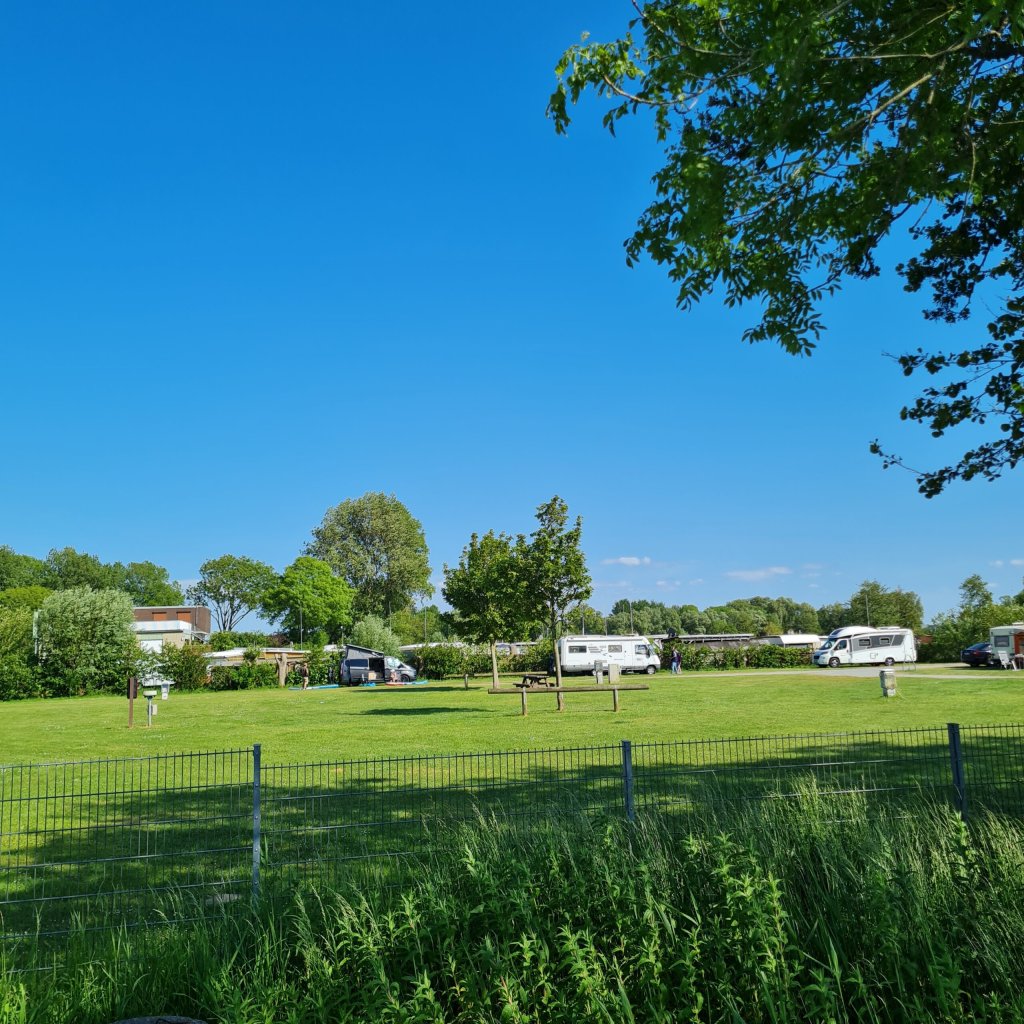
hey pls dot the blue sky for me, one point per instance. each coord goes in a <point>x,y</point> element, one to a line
<point>256,259</point>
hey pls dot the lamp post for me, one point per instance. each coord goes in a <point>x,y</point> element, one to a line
<point>630,603</point>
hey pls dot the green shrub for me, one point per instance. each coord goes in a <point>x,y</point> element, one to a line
<point>185,665</point>
<point>18,679</point>
<point>225,640</point>
<point>243,677</point>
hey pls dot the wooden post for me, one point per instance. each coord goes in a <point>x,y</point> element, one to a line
<point>465,680</point>
<point>615,698</point>
<point>561,700</point>
<point>523,692</point>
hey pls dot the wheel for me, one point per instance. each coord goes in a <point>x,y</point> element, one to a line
<point>406,679</point>
<point>889,662</point>
<point>651,670</point>
<point>833,663</point>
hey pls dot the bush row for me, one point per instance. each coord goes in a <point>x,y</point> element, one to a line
<point>698,658</point>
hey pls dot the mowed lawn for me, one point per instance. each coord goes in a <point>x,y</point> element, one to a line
<point>295,726</point>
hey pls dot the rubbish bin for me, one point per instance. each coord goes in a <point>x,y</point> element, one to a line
<point>887,680</point>
<point>613,672</point>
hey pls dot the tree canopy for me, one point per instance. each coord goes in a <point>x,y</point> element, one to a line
<point>797,137</point>
<point>233,586</point>
<point>555,569</point>
<point>308,597</point>
<point>488,590</point>
<point>376,545</point>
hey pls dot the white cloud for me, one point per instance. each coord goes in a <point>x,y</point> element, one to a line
<point>997,564</point>
<point>667,584</point>
<point>1018,562</point>
<point>627,560</point>
<point>618,584</point>
<point>754,575</point>
<point>694,583</point>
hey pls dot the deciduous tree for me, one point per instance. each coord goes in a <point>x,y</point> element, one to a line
<point>308,597</point>
<point>376,545</point>
<point>798,137</point>
<point>232,586</point>
<point>488,590</point>
<point>555,570</point>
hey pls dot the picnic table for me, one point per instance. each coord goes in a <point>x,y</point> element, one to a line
<point>560,691</point>
<point>535,679</point>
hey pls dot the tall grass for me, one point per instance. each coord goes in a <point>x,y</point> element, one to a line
<point>805,910</point>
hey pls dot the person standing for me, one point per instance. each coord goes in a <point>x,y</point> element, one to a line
<point>677,660</point>
<point>304,675</point>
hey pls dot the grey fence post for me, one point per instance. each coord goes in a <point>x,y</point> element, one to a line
<point>627,778</point>
<point>956,763</point>
<point>255,821</point>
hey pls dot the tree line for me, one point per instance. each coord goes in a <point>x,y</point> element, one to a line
<point>65,621</point>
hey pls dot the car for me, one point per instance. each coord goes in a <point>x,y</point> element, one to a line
<point>977,655</point>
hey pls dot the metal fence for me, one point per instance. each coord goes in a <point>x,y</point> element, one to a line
<point>94,843</point>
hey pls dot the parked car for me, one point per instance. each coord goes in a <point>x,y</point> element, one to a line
<point>977,655</point>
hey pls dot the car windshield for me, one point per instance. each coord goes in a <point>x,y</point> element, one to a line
<point>827,645</point>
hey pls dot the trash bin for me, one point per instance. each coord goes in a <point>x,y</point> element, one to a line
<point>887,680</point>
<point>613,672</point>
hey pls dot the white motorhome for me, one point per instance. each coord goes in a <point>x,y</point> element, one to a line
<point>866,645</point>
<point>1007,643</point>
<point>630,653</point>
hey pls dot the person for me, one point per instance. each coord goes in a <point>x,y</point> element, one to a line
<point>677,660</point>
<point>304,675</point>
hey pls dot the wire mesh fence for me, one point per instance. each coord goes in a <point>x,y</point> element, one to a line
<point>95,843</point>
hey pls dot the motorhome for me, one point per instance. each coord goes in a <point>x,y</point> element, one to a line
<point>866,645</point>
<point>1007,644</point>
<point>631,653</point>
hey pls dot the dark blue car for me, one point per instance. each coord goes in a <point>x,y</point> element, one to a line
<point>977,655</point>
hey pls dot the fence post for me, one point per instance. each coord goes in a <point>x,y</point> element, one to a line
<point>956,763</point>
<point>627,778</point>
<point>256,821</point>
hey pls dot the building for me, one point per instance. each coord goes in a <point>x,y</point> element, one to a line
<point>171,624</point>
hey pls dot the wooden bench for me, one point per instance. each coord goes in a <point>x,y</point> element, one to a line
<point>560,691</point>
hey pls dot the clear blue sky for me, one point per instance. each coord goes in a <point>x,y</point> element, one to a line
<point>256,259</point>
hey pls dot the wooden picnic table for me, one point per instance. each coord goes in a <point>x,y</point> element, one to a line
<point>560,691</point>
<point>535,679</point>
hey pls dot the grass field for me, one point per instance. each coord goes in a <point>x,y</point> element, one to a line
<point>295,726</point>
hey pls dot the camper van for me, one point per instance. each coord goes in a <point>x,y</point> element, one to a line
<point>865,645</point>
<point>630,653</point>
<point>1007,644</point>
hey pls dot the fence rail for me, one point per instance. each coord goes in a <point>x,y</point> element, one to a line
<point>108,841</point>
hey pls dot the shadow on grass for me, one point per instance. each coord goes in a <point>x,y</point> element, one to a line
<point>424,711</point>
<point>126,839</point>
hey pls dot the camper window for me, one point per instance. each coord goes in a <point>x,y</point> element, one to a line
<point>615,648</point>
<point>641,649</point>
<point>864,641</point>
<point>577,649</point>
<point>884,641</point>
<point>1001,641</point>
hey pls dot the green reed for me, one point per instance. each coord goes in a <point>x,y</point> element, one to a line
<point>818,908</point>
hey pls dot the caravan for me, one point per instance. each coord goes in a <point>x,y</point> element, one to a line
<point>1007,645</point>
<point>630,653</point>
<point>864,645</point>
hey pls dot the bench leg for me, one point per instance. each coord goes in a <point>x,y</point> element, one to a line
<point>615,698</point>
<point>523,692</point>
<point>561,700</point>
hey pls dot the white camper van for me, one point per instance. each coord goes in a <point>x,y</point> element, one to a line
<point>630,653</point>
<point>864,645</point>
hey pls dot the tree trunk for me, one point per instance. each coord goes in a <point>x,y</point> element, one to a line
<point>554,641</point>
<point>494,664</point>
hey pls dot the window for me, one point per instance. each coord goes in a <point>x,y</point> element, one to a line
<point>884,641</point>
<point>1001,641</point>
<point>577,648</point>
<point>864,641</point>
<point>615,648</point>
<point>641,649</point>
